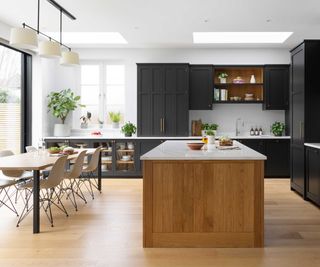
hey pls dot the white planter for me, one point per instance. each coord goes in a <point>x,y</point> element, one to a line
<point>115,125</point>
<point>61,130</point>
<point>211,139</point>
<point>223,80</point>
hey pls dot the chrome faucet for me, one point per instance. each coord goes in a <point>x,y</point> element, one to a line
<point>237,126</point>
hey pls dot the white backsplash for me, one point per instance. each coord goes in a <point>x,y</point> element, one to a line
<point>225,115</point>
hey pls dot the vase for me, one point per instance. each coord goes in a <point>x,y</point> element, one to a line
<point>115,125</point>
<point>128,134</point>
<point>223,80</point>
<point>61,130</point>
<point>252,79</point>
<point>210,139</point>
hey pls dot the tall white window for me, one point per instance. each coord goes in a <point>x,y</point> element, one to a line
<point>102,91</point>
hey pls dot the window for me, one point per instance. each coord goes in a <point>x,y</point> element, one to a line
<point>15,83</point>
<point>102,91</point>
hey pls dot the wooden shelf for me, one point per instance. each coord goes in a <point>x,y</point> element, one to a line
<point>125,150</point>
<point>125,162</point>
<point>237,84</point>
<point>106,161</point>
<point>238,102</point>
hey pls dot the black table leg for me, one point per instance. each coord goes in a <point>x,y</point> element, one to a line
<point>99,173</point>
<point>36,202</point>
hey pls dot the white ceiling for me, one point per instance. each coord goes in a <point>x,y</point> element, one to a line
<point>170,23</point>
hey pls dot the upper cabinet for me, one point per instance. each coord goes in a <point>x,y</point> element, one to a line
<point>276,87</point>
<point>201,87</point>
<point>163,99</point>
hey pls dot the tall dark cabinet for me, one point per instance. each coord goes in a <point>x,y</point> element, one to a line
<point>201,87</point>
<point>305,108</point>
<point>163,99</point>
<point>276,87</point>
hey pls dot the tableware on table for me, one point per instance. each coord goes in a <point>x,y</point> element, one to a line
<point>126,157</point>
<point>195,146</point>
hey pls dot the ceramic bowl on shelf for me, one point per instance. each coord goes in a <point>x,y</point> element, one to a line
<point>195,146</point>
<point>126,158</point>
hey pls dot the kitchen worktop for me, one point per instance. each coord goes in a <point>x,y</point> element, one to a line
<point>314,145</point>
<point>178,150</point>
<point>163,137</point>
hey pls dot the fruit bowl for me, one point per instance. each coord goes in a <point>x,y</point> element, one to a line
<point>195,146</point>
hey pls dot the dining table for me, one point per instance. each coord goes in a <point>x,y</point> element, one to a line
<point>36,162</point>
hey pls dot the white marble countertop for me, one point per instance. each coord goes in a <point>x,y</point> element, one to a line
<point>178,150</point>
<point>88,137</point>
<point>314,145</point>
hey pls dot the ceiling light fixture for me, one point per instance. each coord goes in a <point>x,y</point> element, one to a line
<point>26,38</point>
<point>240,37</point>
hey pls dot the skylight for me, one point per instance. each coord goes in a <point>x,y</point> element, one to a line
<point>240,37</point>
<point>90,37</point>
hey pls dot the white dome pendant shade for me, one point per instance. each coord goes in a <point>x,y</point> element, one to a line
<point>69,58</point>
<point>49,49</point>
<point>23,38</point>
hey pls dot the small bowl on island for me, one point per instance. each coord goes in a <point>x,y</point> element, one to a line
<point>195,146</point>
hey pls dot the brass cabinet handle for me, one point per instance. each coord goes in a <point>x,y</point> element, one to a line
<point>163,128</point>
<point>161,125</point>
<point>301,129</point>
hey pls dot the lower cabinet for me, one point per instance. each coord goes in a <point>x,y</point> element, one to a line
<point>298,169</point>
<point>277,151</point>
<point>313,175</point>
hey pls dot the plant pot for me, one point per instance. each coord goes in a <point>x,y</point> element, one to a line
<point>223,80</point>
<point>210,139</point>
<point>277,134</point>
<point>61,130</point>
<point>128,134</point>
<point>203,132</point>
<point>115,125</point>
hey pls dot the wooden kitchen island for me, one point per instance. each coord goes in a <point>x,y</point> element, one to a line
<point>208,198</point>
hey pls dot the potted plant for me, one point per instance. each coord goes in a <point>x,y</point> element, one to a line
<point>61,104</point>
<point>223,77</point>
<point>210,136</point>
<point>277,128</point>
<point>115,117</point>
<point>206,127</point>
<point>128,129</point>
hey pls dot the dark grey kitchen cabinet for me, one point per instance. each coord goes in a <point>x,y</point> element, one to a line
<point>304,108</point>
<point>277,152</point>
<point>313,175</point>
<point>201,87</point>
<point>276,87</point>
<point>163,99</point>
<point>278,158</point>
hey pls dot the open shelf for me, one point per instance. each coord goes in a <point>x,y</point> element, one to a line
<point>125,162</point>
<point>125,150</point>
<point>236,84</point>
<point>238,102</point>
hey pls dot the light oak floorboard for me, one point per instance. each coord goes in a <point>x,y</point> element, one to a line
<point>108,232</point>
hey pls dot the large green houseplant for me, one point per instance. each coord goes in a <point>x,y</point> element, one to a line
<point>60,104</point>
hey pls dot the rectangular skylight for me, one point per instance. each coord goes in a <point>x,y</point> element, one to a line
<point>240,37</point>
<point>90,37</point>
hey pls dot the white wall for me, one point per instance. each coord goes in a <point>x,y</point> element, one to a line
<point>224,115</point>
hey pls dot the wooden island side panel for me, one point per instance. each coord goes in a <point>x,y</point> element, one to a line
<point>203,204</point>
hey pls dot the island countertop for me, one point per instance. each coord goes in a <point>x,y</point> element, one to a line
<point>178,150</point>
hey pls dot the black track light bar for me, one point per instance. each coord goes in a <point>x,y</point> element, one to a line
<point>61,9</point>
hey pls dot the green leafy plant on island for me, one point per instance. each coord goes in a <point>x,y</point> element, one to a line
<point>277,128</point>
<point>211,127</point>
<point>62,103</point>
<point>115,116</point>
<point>128,129</point>
<point>210,133</point>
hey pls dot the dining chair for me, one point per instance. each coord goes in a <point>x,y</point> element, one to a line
<point>31,149</point>
<point>5,197</point>
<point>48,191</point>
<point>70,184</point>
<point>19,176</point>
<point>88,172</point>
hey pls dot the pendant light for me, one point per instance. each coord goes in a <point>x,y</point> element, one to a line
<point>69,58</point>
<point>23,38</point>
<point>26,38</point>
<point>49,49</point>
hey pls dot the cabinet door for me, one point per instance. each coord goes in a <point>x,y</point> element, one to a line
<point>313,174</point>
<point>157,114</point>
<point>297,169</point>
<point>201,87</point>
<point>297,124</point>
<point>278,158</point>
<point>276,87</point>
<point>256,144</point>
<point>144,147</point>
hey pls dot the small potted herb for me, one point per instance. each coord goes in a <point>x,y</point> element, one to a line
<point>128,129</point>
<point>209,127</point>
<point>277,128</point>
<point>115,118</point>
<point>223,77</point>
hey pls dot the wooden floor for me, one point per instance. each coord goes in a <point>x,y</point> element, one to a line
<point>108,232</point>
